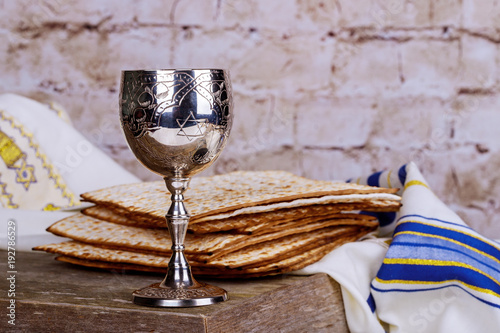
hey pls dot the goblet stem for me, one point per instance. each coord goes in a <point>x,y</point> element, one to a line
<point>179,288</point>
<point>179,272</point>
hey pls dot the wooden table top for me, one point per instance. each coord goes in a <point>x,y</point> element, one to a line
<point>52,296</point>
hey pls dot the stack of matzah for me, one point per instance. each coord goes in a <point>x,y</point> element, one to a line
<point>243,224</point>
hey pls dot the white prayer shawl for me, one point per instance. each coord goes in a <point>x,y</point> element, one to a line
<point>437,274</point>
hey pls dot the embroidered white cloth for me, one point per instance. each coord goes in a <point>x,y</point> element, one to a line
<point>437,274</point>
<point>44,165</point>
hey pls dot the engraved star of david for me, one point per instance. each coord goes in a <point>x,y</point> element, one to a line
<point>200,125</point>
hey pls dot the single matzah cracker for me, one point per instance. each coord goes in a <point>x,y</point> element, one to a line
<point>91,252</point>
<point>87,229</point>
<point>102,213</point>
<point>290,264</point>
<point>371,202</point>
<point>309,233</point>
<point>323,221</point>
<point>259,222</point>
<point>110,265</point>
<point>283,247</point>
<point>217,194</point>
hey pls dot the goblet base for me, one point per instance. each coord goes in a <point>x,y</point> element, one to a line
<point>202,294</point>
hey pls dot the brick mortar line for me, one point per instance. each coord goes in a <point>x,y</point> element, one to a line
<point>358,34</point>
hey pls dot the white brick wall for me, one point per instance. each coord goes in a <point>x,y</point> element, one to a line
<point>478,63</point>
<point>325,89</point>
<point>481,16</point>
<point>477,121</point>
<point>331,122</point>
<point>430,67</point>
<point>369,68</point>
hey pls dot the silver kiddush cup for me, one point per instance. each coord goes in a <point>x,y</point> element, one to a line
<point>176,122</point>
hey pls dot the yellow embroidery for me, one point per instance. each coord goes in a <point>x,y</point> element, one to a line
<point>9,151</point>
<point>5,195</point>
<point>52,174</point>
<point>15,159</point>
<point>25,174</point>
<point>51,207</point>
<point>61,113</point>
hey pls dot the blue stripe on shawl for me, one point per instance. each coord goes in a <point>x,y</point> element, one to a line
<point>371,303</point>
<point>402,174</point>
<point>374,179</point>
<point>433,275</point>
<point>384,218</point>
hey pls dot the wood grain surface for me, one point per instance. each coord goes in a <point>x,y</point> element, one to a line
<point>58,297</point>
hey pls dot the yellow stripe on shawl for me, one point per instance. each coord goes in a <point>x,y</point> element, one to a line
<point>415,182</point>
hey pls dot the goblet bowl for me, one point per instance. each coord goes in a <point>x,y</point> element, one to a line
<point>176,122</point>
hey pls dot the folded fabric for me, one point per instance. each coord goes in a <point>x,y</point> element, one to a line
<point>44,165</point>
<point>437,274</point>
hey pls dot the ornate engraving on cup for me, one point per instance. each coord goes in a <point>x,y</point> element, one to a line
<point>187,112</point>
